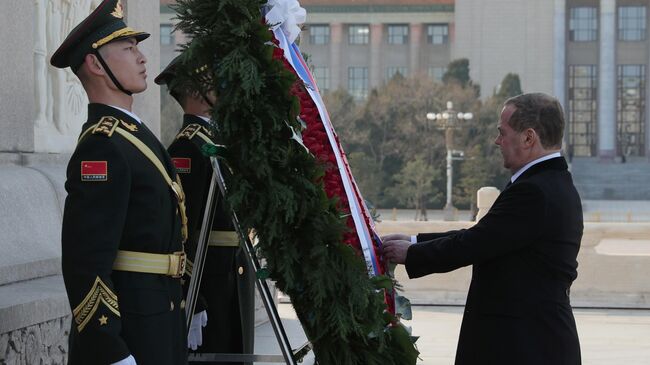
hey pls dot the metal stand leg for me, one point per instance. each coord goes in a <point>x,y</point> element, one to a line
<point>289,356</point>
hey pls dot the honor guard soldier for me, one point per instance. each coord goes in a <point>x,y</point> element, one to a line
<point>227,288</point>
<point>123,222</point>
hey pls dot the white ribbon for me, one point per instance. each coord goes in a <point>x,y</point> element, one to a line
<point>285,14</point>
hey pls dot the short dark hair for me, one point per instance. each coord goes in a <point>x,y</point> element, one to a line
<point>541,112</point>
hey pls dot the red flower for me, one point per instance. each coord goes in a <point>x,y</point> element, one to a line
<point>317,142</point>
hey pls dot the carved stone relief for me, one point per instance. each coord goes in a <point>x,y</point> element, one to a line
<point>44,343</point>
<point>60,98</point>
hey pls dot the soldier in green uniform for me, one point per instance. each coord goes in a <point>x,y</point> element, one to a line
<point>228,282</point>
<point>124,216</point>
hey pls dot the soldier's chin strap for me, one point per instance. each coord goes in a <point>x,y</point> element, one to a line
<point>207,101</point>
<point>110,74</point>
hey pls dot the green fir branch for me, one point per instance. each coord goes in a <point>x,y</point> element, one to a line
<point>276,189</point>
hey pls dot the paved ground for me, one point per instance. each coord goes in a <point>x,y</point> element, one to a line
<point>608,337</point>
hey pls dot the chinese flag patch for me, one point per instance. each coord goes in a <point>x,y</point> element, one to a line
<point>94,171</point>
<point>183,165</point>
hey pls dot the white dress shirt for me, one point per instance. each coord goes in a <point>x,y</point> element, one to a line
<point>130,360</point>
<point>127,112</point>
<point>516,175</point>
<point>204,118</point>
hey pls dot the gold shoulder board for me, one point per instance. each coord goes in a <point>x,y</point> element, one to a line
<point>107,126</point>
<point>189,132</point>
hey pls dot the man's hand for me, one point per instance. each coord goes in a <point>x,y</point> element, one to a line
<point>395,250</point>
<point>195,335</point>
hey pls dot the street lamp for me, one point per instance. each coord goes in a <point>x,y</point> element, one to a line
<point>450,120</point>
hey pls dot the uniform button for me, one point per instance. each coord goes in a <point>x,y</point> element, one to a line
<point>240,270</point>
<point>183,304</point>
<point>171,306</point>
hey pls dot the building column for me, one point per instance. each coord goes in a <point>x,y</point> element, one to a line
<point>336,37</point>
<point>559,66</point>
<point>415,38</point>
<point>376,36</point>
<point>647,112</point>
<point>607,82</point>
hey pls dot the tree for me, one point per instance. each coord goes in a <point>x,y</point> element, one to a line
<point>510,86</point>
<point>367,175</point>
<point>483,163</point>
<point>457,72</point>
<point>475,172</point>
<point>390,130</point>
<point>415,185</point>
<point>396,129</point>
<point>342,111</point>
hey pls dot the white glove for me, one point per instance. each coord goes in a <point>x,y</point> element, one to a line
<point>128,361</point>
<point>195,336</point>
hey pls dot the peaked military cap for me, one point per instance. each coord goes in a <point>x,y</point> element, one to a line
<point>168,74</point>
<point>104,25</point>
<point>181,76</point>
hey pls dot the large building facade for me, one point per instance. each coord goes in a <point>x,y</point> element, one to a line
<point>592,54</point>
<point>357,45</point>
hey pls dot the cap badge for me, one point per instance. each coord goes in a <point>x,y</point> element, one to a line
<point>117,12</point>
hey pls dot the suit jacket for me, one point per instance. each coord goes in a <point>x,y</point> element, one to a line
<point>117,199</point>
<point>523,254</point>
<point>226,292</point>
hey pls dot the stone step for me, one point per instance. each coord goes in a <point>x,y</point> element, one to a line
<point>31,302</point>
<point>596,180</point>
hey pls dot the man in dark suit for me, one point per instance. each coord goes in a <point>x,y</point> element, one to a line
<point>123,221</point>
<point>227,289</point>
<point>523,251</point>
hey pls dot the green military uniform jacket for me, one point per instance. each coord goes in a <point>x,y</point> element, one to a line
<point>228,283</point>
<point>117,199</point>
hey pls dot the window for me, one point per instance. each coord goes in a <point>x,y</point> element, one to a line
<point>583,24</point>
<point>392,71</point>
<point>582,110</point>
<point>630,121</point>
<point>358,82</point>
<point>438,34</point>
<point>437,73</point>
<point>398,34</point>
<point>166,36</point>
<point>631,23</point>
<point>319,34</point>
<point>322,75</point>
<point>358,34</point>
